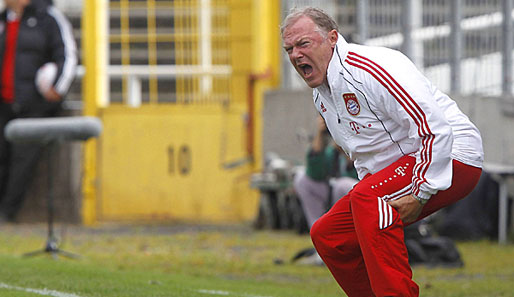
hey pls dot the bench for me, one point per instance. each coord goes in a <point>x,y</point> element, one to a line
<point>501,173</point>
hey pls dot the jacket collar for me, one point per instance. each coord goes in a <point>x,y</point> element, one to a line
<point>335,66</point>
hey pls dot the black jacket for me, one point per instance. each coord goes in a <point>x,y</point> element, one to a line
<point>44,35</point>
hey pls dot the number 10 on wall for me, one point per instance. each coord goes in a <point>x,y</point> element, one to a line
<point>179,160</point>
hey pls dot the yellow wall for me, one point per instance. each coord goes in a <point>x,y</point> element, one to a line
<point>175,162</point>
<point>187,161</point>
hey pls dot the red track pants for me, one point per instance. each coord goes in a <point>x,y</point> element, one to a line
<point>361,238</point>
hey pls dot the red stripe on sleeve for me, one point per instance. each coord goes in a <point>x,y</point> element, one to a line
<point>410,106</point>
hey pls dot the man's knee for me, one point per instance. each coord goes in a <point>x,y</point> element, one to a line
<point>319,232</point>
<point>316,228</point>
<point>360,191</point>
<point>330,238</point>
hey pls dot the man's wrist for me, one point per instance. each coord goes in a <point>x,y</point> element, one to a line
<point>421,201</point>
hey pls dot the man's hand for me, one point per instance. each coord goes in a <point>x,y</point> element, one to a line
<point>408,207</point>
<point>51,95</point>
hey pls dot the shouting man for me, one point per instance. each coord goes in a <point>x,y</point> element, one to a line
<point>414,150</point>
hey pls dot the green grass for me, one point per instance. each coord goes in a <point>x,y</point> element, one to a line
<point>203,261</point>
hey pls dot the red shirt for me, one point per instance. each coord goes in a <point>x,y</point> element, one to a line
<point>7,82</point>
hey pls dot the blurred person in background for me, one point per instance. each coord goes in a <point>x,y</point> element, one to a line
<point>415,152</point>
<point>33,33</point>
<point>328,175</point>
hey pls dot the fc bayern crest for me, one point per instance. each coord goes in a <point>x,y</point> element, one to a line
<point>352,104</point>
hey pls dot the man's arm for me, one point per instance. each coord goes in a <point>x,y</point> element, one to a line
<point>63,53</point>
<point>410,102</point>
<point>408,98</point>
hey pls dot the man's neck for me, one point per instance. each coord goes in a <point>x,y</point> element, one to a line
<point>14,14</point>
<point>326,87</point>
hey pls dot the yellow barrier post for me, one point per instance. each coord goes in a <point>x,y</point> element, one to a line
<point>265,62</point>
<point>94,30</point>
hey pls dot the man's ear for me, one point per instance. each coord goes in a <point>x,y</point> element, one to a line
<point>333,36</point>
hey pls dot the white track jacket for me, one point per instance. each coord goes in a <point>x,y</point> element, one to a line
<point>378,107</point>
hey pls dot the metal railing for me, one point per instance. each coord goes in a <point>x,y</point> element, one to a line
<point>134,74</point>
<point>172,51</point>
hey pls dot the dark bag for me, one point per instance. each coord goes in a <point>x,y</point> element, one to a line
<point>426,249</point>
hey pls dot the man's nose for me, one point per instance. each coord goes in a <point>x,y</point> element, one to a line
<point>296,53</point>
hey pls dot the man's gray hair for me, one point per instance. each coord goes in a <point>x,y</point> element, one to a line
<point>322,20</point>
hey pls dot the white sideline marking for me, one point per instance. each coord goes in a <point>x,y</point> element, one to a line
<point>214,292</point>
<point>53,293</point>
<point>44,292</point>
<point>226,293</point>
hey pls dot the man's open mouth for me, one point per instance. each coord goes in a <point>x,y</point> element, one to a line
<point>306,69</point>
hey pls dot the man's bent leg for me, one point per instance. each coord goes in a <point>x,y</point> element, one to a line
<point>362,229</point>
<point>335,240</point>
<point>379,229</point>
<point>464,180</point>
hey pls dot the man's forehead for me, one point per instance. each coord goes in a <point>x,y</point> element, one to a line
<point>303,23</point>
<point>302,28</point>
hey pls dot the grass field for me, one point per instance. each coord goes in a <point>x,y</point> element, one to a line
<point>203,261</point>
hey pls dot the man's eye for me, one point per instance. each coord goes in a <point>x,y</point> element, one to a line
<point>304,44</point>
<point>289,50</point>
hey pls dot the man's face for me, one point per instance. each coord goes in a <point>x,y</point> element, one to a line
<point>17,4</point>
<point>308,50</point>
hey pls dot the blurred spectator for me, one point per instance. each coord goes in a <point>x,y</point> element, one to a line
<point>329,175</point>
<point>33,33</point>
